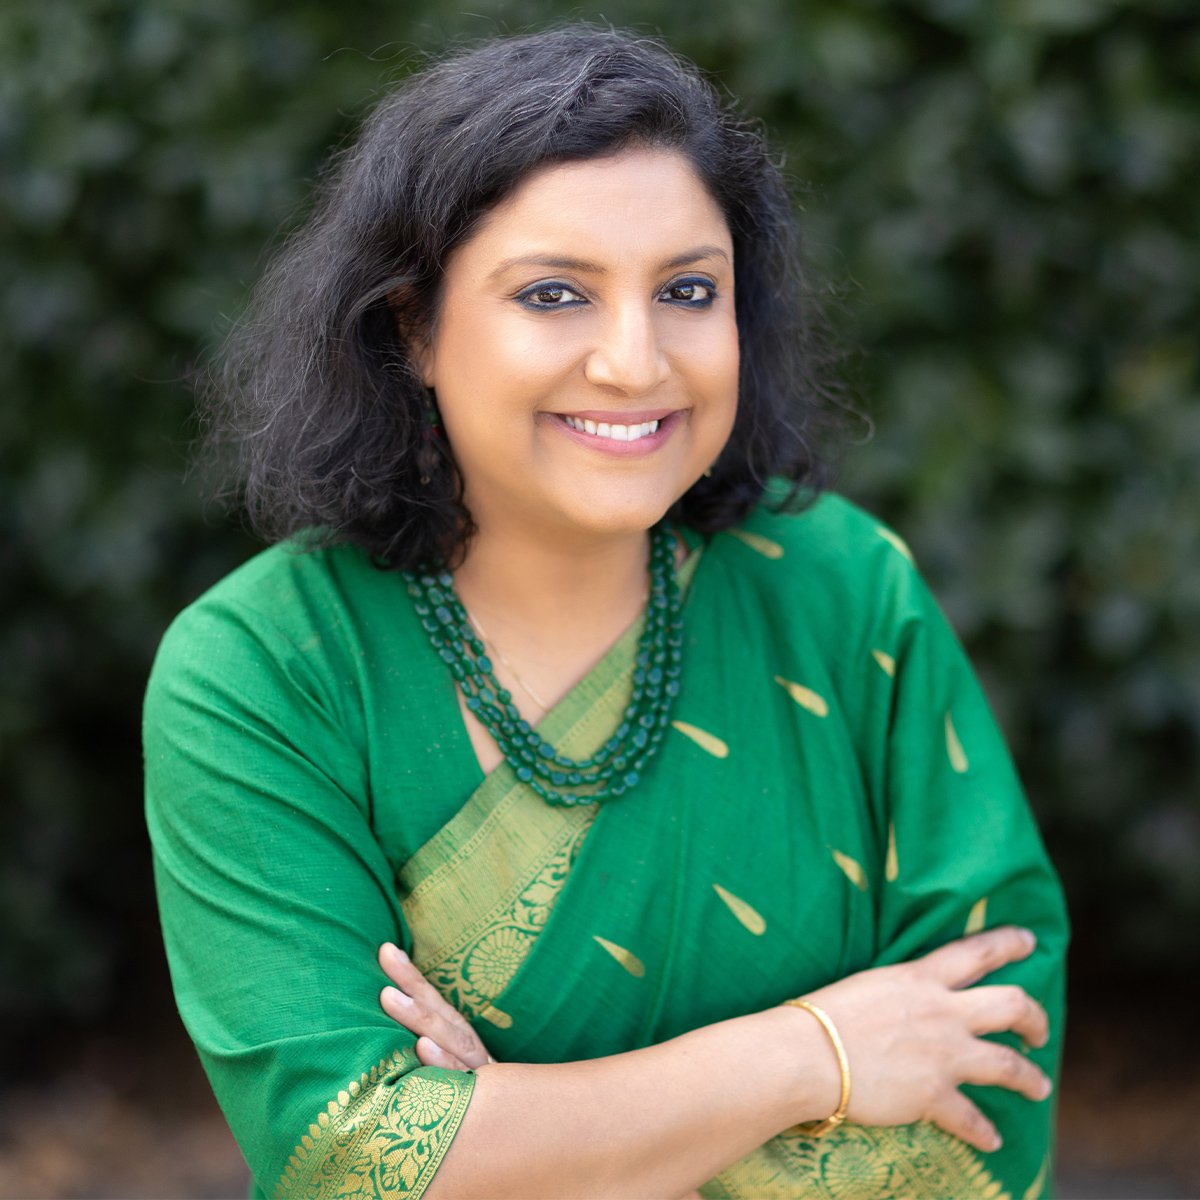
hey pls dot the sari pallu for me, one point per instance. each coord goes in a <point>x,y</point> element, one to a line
<point>832,795</point>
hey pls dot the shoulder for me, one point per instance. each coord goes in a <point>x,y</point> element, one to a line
<point>831,572</point>
<point>831,581</point>
<point>275,580</point>
<point>288,605</point>
<point>829,546</point>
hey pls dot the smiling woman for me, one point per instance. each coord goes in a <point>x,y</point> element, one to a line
<point>662,767</point>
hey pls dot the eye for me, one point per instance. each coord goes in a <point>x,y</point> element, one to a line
<point>690,293</point>
<point>550,295</point>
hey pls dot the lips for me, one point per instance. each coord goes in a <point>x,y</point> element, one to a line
<point>623,434</point>
<point>618,433</point>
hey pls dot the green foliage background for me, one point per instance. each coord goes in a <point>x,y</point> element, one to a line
<point>1004,197</point>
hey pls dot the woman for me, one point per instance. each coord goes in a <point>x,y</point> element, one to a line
<point>570,684</point>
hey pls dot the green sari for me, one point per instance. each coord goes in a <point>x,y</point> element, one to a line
<point>833,795</point>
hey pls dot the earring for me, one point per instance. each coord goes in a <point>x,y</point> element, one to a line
<point>708,473</point>
<point>427,455</point>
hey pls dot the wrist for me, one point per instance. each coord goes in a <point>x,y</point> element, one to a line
<point>813,1086</point>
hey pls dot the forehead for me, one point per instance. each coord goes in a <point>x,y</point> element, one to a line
<point>642,202</point>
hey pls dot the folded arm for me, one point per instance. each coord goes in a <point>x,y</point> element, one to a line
<point>664,1119</point>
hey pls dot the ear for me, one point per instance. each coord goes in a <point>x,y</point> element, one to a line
<point>412,334</point>
<point>421,354</point>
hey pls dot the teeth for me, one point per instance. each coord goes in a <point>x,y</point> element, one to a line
<point>618,433</point>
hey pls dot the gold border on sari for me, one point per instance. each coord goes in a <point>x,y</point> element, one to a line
<point>384,1135</point>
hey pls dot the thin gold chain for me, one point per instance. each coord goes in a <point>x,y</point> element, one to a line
<point>487,641</point>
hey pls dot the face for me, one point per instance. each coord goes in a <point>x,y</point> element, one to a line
<point>585,354</point>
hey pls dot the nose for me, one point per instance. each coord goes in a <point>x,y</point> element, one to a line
<point>627,357</point>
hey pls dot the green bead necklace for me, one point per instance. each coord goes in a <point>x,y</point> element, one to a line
<point>618,764</point>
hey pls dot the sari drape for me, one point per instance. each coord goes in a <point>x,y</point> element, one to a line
<point>833,794</point>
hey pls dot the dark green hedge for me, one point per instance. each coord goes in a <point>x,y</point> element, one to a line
<point>1003,198</point>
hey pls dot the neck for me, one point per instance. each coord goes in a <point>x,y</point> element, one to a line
<point>532,588</point>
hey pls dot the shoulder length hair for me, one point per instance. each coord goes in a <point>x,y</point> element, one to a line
<point>315,386</point>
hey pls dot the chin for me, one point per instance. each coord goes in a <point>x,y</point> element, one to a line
<point>619,512</point>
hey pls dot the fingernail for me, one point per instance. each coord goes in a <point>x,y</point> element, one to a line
<point>397,996</point>
<point>997,1142</point>
<point>1029,938</point>
<point>1047,1088</point>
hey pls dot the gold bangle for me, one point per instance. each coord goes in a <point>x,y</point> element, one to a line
<point>816,1129</point>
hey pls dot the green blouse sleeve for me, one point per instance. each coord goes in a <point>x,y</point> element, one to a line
<point>274,898</point>
<point>963,852</point>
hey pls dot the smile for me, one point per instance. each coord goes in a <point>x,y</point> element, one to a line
<point>617,433</point>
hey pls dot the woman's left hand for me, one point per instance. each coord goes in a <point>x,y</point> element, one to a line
<point>444,1039</point>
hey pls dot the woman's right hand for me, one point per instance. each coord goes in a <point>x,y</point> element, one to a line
<point>444,1037</point>
<point>911,1034</point>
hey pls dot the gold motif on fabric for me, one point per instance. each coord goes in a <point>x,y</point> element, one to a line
<point>765,547</point>
<point>854,1162</point>
<point>383,1136</point>
<point>805,697</point>
<point>497,1017</point>
<point>703,739</point>
<point>977,917</point>
<point>626,958</point>
<point>896,540</point>
<point>750,917</point>
<point>954,749</point>
<point>1035,1189</point>
<point>852,868</point>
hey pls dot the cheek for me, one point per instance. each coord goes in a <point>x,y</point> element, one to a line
<point>490,357</point>
<point>709,361</point>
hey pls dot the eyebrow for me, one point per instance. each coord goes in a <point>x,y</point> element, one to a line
<point>586,266</point>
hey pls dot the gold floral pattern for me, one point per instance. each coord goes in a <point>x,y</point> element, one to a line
<point>496,959</point>
<point>854,1162</point>
<point>856,1170</point>
<point>383,1136</point>
<point>426,1101</point>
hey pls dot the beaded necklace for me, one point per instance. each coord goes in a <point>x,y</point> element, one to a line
<point>618,764</point>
